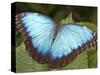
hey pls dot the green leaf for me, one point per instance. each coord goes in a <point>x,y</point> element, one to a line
<point>18,38</point>
<point>37,8</point>
<point>45,9</point>
<point>79,62</point>
<point>59,16</point>
<point>92,58</point>
<point>67,20</point>
<point>24,62</point>
<point>88,25</point>
<point>86,59</point>
<point>50,8</point>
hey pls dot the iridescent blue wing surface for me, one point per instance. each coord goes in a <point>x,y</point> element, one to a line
<point>45,44</point>
<point>69,38</point>
<point>40,30</point>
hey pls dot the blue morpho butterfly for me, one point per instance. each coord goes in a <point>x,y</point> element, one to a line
<point>43,45</point>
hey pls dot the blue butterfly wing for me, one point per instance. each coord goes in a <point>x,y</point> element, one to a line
<point>69,38</point>
<point>57,50</point>
<point>41,29</point>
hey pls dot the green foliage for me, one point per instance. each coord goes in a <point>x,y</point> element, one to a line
<point>45,9</point>
<point>67,20</point>
<point>19,38</point>
<point>59,16</point>
<point>24,63</point>
<point>92,58</point>
<point>89,25</point>
<point>82,60</point>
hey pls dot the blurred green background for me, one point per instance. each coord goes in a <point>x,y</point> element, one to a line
<point>61,14</point>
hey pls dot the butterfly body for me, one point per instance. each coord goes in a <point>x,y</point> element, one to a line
<point>43,45</point>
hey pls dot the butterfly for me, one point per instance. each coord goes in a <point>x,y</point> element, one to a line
<point>46,43</point>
